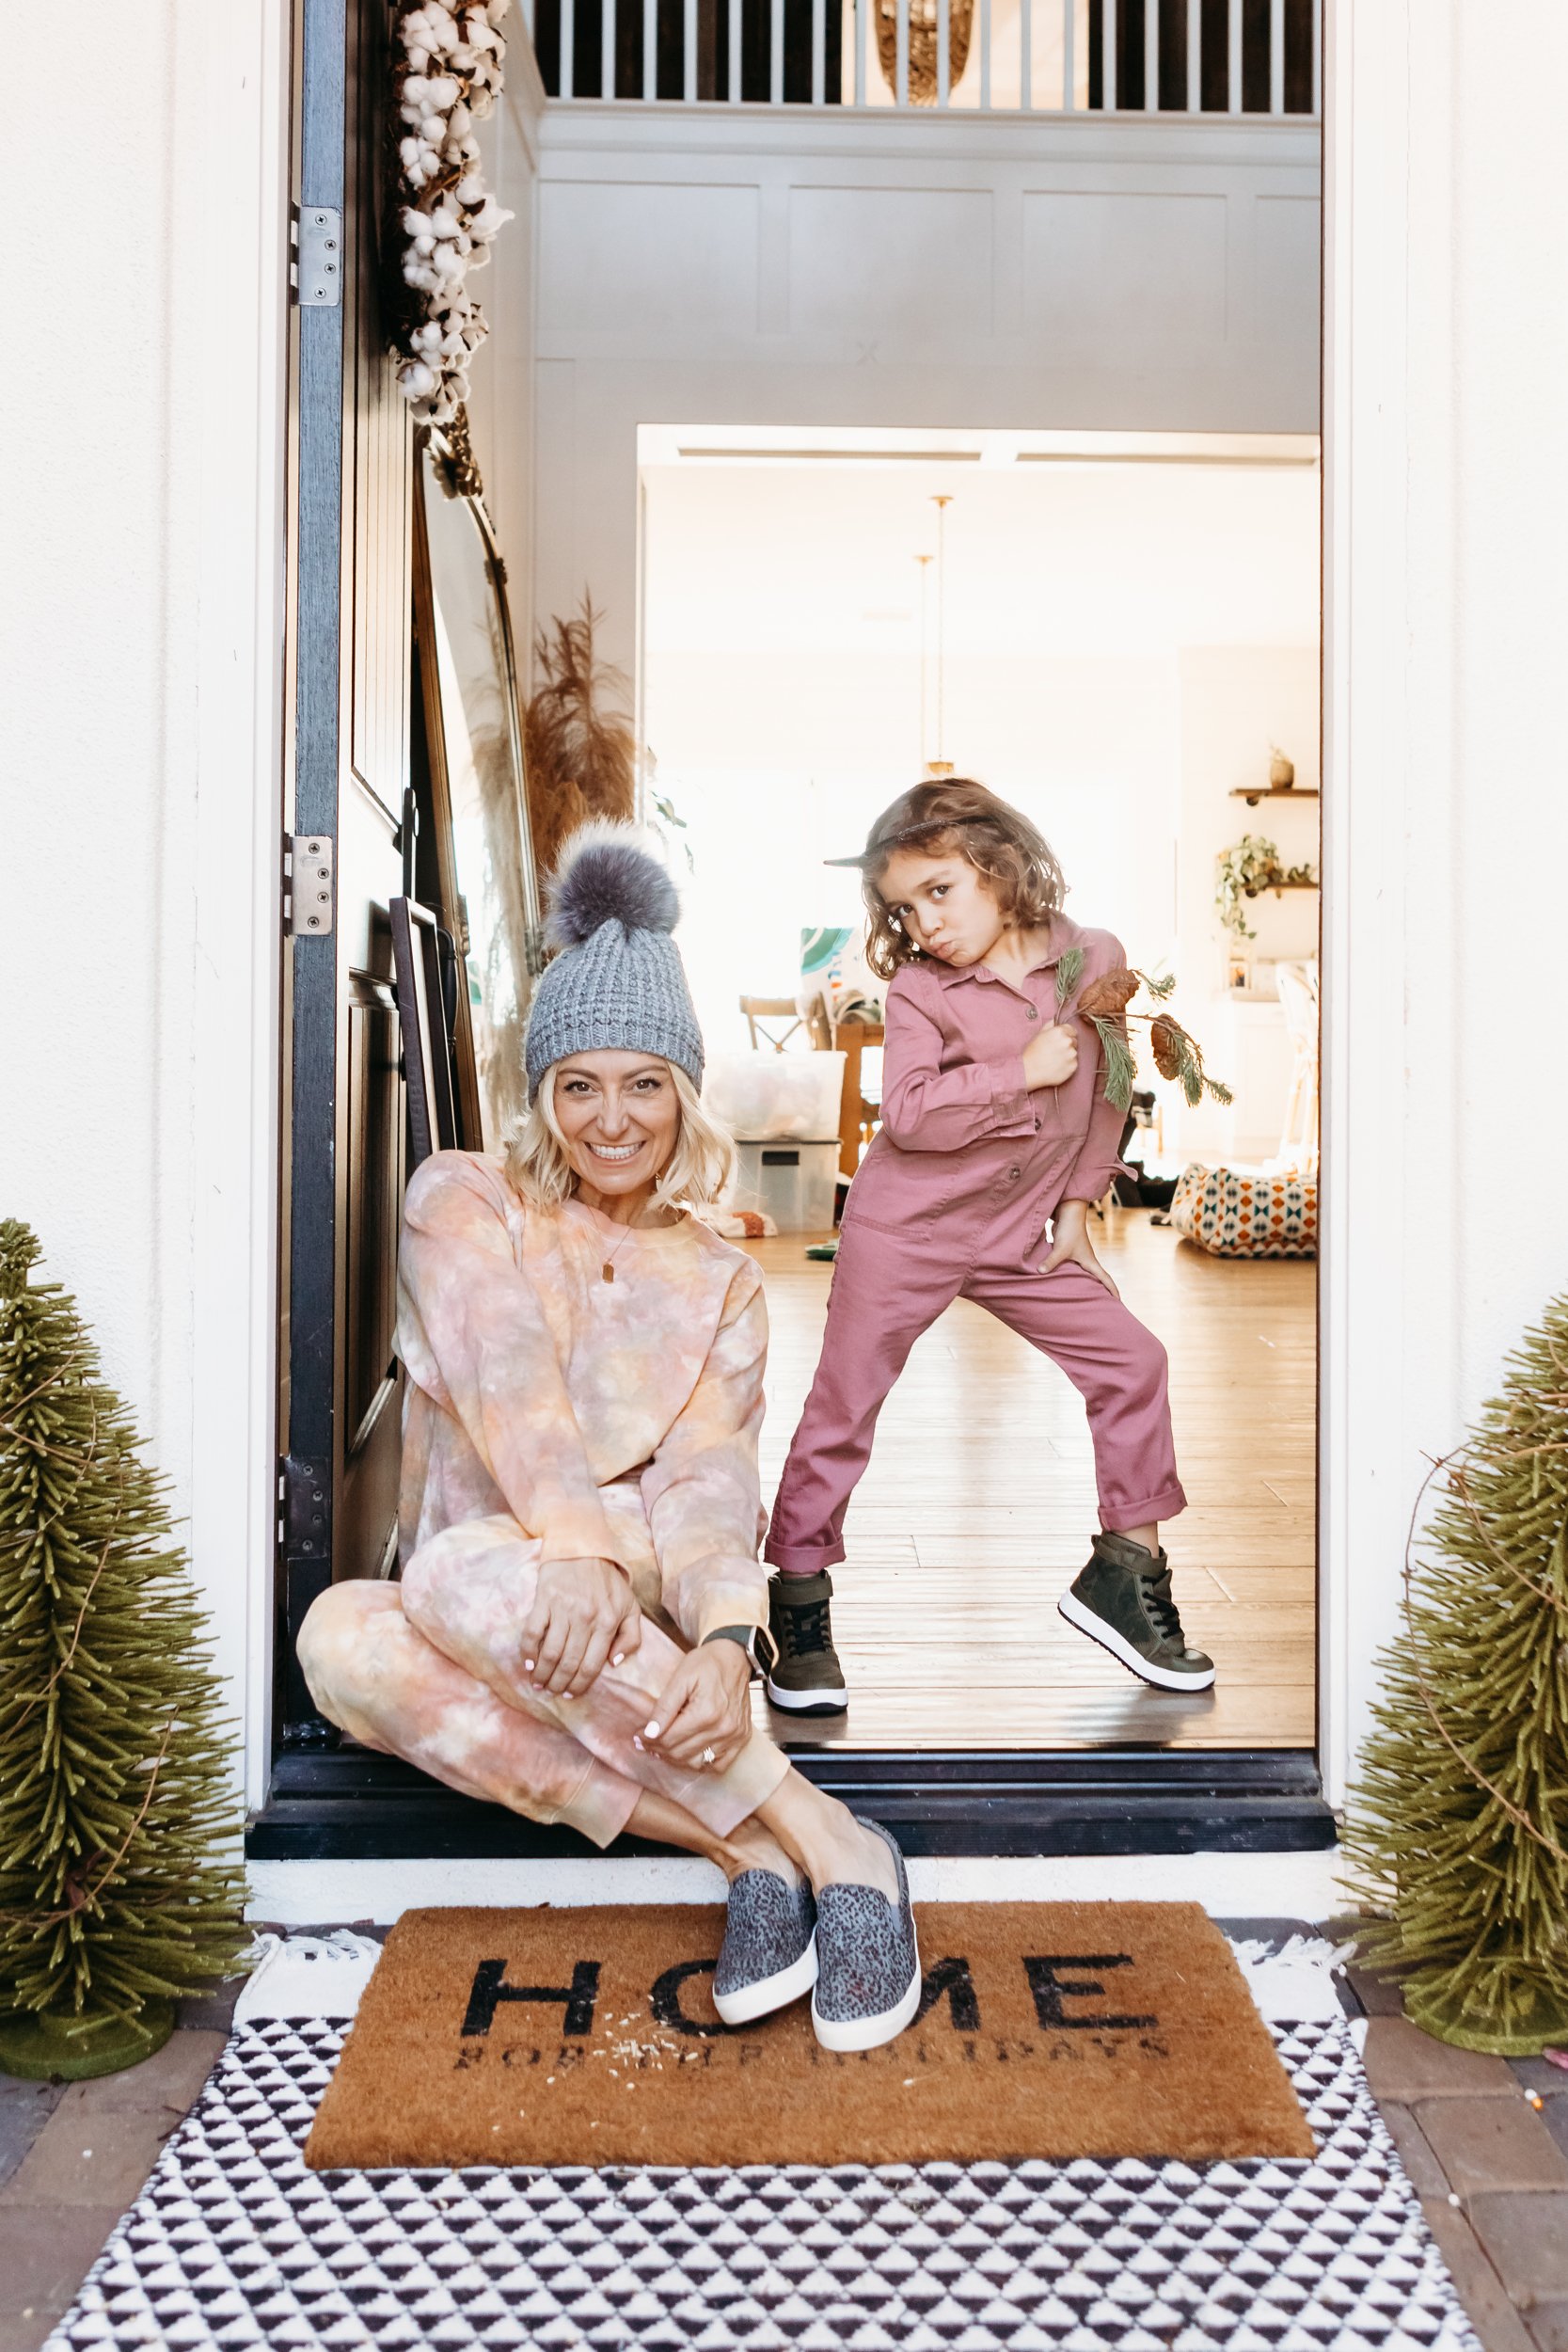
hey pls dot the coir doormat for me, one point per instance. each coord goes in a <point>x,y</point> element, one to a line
<point>568,2036</point>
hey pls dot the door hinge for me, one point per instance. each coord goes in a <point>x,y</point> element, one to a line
<point>304,1506</point>
<point>316,271</point>
<point>307,884</point>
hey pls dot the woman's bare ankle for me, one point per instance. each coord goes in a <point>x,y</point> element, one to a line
<point>831,1846</point>
<point>753,1847</point>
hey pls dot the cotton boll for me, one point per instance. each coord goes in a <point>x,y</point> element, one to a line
<point>441,90</point>
<point>471,190</point>
<point>457,121</point>
<point>418,379</point>
<point>444,221</point>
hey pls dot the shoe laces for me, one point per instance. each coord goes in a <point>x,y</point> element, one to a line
<point>1160,1603</point>
<point>806,1627</point>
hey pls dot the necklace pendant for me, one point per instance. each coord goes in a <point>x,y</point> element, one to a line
<point>608,1271</point>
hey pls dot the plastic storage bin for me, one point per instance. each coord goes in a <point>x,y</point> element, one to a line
<point>794,1096</point>
<point>791,1182</point>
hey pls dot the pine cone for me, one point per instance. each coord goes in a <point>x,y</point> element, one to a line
<point>1167,1038</point>
<point>1109,996</point>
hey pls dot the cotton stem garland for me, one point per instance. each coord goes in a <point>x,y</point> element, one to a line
<point>447,77</point>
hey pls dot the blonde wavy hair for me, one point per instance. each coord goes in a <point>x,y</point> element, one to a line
<point>699,1168</point>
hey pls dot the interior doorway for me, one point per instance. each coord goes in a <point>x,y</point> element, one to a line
<point>1120,634</point>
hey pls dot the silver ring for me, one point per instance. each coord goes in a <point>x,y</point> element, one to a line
<point>708,1756</point>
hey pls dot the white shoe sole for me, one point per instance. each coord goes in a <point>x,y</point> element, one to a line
<point>827,1701</point>
<point>869,2033</point>
<point>770,1993</point>
<point>1109,1639</point>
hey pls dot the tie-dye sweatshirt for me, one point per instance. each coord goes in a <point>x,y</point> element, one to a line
<point>615,1421</point>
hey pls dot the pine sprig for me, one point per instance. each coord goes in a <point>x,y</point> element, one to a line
<point>1106,1005</point>
<point>1458,1825</point>
<point>116,1800</point>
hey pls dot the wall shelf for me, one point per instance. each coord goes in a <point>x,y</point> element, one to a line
<point>1258,889</point>
<point>1252,794</point>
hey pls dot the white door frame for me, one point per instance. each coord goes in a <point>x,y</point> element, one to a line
<point>1367,1469</point>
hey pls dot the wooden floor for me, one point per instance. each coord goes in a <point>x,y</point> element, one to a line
<point>978,1506</point>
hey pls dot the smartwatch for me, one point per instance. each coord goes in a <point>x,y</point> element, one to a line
<point>751,1638</point>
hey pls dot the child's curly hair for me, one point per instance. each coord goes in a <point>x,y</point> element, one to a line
<point>956,813</point>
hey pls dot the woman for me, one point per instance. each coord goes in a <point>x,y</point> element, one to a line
<point>574,1629</point>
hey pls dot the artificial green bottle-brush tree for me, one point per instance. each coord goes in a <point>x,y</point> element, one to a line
<point>117,1802</point>
<point>1459,1835</point>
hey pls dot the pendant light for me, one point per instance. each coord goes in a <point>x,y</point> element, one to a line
<point>940,764</point>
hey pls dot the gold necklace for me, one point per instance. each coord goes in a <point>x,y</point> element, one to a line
<point>608,1269</point>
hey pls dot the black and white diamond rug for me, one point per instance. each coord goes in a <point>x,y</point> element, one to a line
<point>234,2243</point>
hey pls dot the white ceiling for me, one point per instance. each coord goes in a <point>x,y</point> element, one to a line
<point>1054,546</point>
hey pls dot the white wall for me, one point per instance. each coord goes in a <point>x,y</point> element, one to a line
<point>1112,666</point>
<point>707,265</point>
<point>138,632</point>
<point>1235,701</point>
<point>1447,822</point>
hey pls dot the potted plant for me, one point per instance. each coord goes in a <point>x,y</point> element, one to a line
<point>1241,872</point>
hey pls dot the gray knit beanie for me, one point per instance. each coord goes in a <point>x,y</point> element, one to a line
<point>617,983</point>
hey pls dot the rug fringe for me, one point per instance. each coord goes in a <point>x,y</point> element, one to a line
<point>307,1976</point>
<point>1293,1983</point>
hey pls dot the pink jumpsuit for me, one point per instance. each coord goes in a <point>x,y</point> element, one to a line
<point>952,1202</point>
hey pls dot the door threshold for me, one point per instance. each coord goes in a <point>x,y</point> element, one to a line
<point>349,1804</point>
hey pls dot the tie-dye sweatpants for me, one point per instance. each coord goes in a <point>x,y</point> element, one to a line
<point>429,1669</point>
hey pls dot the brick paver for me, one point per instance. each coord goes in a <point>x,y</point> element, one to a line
<point>1494,2318</point>
<point>1405,2064</point>
<point>1496,2143</point>
<point>1525,2233</point>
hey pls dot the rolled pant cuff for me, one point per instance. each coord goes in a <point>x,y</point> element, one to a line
<point>1116,1518</point>
<point>802,1559</point>
<point>601,1804</point>
<point>724,1799</point>
<point>605,1800</point>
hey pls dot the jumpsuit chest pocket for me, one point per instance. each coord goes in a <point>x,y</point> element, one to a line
<point>896,1191</point>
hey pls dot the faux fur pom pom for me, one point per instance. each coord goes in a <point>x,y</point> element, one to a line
<point>602,875</point>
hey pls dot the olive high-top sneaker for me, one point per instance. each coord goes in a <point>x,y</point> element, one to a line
<point>805,1678</point>
<point>1122,1600</point>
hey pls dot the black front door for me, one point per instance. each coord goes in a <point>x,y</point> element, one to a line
<point>349,673</point>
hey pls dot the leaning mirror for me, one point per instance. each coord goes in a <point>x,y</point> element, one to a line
<point>475,860</point>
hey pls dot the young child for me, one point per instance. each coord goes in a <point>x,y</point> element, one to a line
<point>994,1127</point>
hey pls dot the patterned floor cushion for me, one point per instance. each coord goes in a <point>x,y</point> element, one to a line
<point>1233,1214</point>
